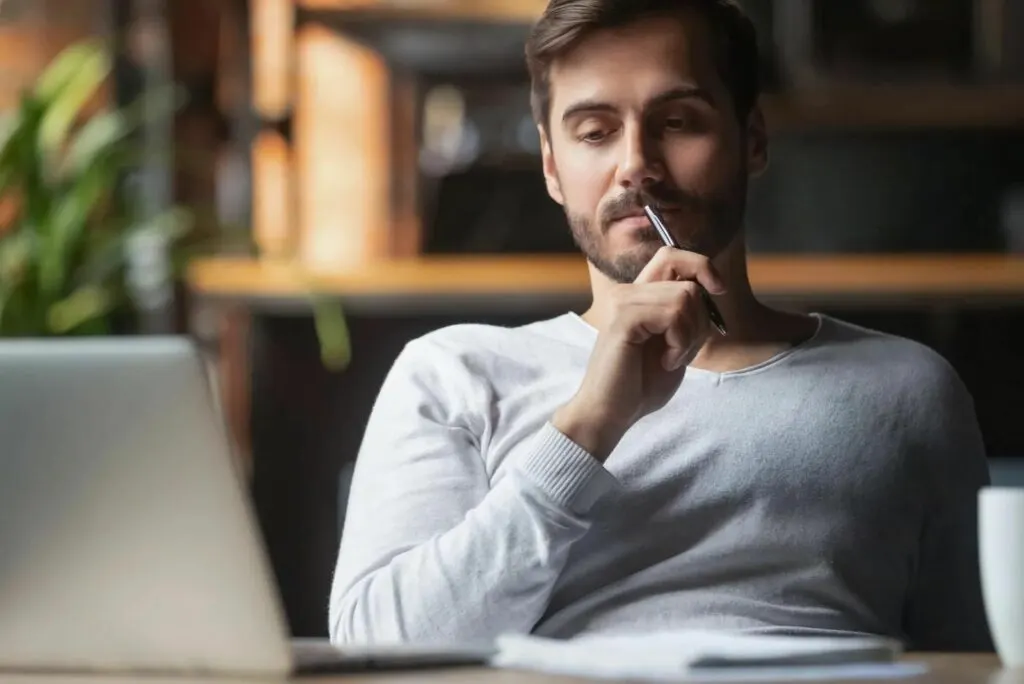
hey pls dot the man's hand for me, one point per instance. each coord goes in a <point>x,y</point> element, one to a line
<point>654,327</point>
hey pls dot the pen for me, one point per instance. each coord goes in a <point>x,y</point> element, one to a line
<point>713,313</point>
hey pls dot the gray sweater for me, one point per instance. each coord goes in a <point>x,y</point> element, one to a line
<point>831,489</point>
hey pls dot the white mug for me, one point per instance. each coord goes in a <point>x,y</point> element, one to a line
<point>1001,552</point>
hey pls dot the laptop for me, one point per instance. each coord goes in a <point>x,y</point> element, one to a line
<point>127,538</point>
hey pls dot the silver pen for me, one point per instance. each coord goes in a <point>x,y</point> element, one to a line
<point>659,225</point>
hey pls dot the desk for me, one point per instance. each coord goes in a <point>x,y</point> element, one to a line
<point>943,669</point>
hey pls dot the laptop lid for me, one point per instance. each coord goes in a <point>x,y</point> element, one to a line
<point>127,541</point>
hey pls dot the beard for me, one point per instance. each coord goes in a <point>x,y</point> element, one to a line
<point>705,224</point>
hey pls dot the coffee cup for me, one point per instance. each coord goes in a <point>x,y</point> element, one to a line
<point>1001,554</point>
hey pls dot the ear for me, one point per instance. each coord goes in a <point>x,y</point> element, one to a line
<point>550,170</point>
<point>757,143</point>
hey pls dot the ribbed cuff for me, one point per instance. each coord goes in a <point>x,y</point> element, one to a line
<point>564,471</point>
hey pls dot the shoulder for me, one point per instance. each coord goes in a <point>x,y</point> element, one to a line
<point>476,346</point>
<point>916,392</point>
<point>451,375</point>
<point>480,340</point>
<point>907,385</point>
<point>480,354</point>
<point>891,360</point>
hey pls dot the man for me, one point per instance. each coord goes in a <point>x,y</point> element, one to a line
<point>632,469</point>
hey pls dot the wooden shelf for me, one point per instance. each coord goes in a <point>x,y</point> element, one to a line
<point>851,106</point>
<point>879,106</point>
<point>518,11</point>
<point>439,276</point>
<point>888,279</point>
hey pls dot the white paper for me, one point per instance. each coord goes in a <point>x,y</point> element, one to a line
<point>678,655</point>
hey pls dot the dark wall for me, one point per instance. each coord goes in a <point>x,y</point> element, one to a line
<point>885,191</point>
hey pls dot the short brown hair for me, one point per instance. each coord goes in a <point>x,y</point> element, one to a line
<point>566,22</point>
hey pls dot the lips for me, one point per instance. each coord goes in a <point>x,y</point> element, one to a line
<point>632,222</point>
<point>639,216</point>
<point>633,214</point>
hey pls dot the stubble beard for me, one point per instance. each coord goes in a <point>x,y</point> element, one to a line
<point>714,223</point>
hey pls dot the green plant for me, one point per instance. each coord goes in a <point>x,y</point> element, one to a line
<point>65,224</point>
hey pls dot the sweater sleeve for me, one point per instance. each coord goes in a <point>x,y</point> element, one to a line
<point>431,551</point>
<point>945,611</point>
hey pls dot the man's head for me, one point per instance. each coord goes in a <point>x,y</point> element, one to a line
<point>653,99</point>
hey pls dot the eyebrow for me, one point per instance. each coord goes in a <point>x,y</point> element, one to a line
<point>681,93</point>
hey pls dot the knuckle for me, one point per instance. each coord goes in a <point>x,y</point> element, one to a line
<point>686,298</point>
<point>689,264</point>
<point>664,254</point>
<point>659,263</point>
<point>689,291</point>
<point>701,264</point>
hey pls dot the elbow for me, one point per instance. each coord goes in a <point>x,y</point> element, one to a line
<point>358,616</point>
<point>345,624</point>
<point>378,610</point>
<point>350,621</point>
<point>348,627</point>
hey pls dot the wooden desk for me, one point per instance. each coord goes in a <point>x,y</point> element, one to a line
<point>943,669</point>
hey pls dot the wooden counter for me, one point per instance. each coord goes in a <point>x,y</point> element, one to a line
<point>953,279</point>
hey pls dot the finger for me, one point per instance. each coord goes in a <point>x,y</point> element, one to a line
<point>687,327</point>
<point>698,330</point>
<point>676,264</point>
<point>651,311</point>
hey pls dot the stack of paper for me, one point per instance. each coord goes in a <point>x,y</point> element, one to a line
<point>678,655</point>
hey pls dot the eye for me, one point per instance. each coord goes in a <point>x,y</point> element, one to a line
<point>675,123</point>
<point>592,137</point>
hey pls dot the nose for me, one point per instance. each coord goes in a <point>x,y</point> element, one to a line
<point>641,164</point>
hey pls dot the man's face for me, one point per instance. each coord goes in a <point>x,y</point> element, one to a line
<point>641,114</point>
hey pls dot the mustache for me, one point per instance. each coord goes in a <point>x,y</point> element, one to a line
<point>659,197</point>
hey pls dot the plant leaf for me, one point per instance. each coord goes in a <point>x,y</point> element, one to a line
<point>15,258</point>
<point>332,331</point>
<point>16,285</point>
<point>96,138</point>
<point>83,305</point>
<point>24,163</point>
<point>66,86</point>
<point>62,69</point>
<point>9,125</point>
<point>15,136</point>
<point>103,133</point>
<point>70,213</point>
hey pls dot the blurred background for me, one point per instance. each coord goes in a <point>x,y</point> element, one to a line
<point>380,155</point>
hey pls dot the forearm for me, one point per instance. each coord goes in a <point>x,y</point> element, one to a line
<point>491,573</point>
